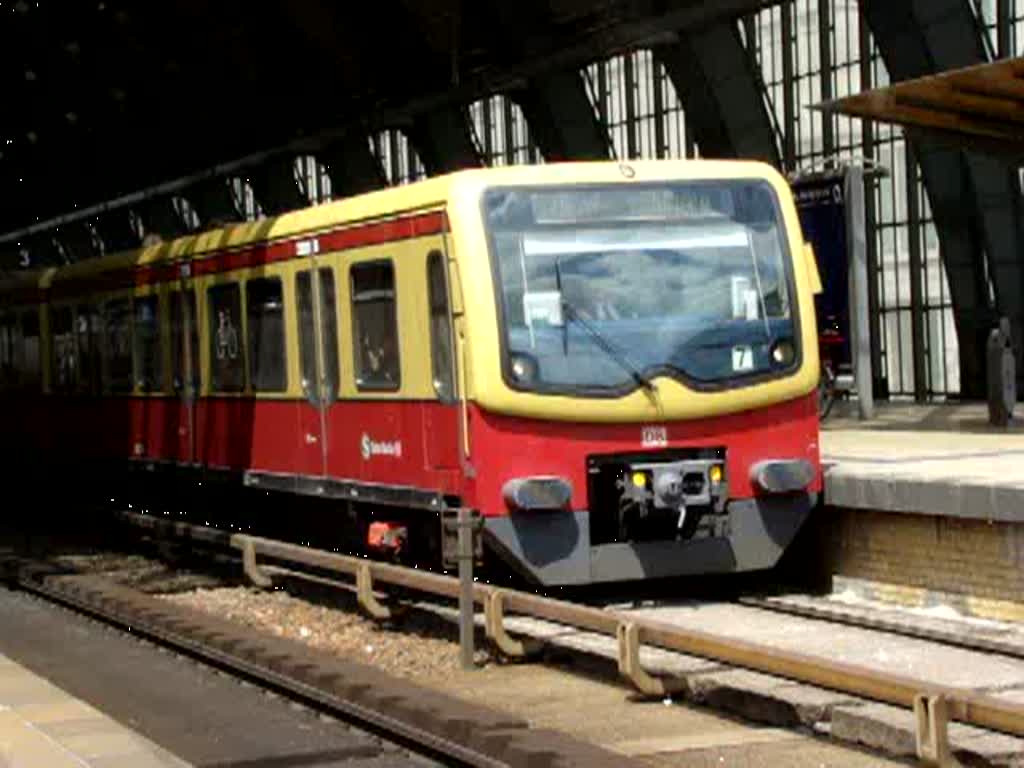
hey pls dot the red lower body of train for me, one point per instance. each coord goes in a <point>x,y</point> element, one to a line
<point>561,502</point>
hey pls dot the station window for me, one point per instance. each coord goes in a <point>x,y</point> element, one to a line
<point>185,359</point>
<point>227,364</point>
<point>63,357</point>
<point>118,328</point>
<point>440,328</point>
<point>264,309</point>
<point>87,328</point>
<point>148,349</point>
<point>328,330</point>
<point>374,326</point>
<point>30,370</point>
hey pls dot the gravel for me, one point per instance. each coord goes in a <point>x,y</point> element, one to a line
<point>415,646</point>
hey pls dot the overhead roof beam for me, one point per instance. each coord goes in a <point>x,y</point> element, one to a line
<point>721,93</point>
<point>276,186</point>
<point>561,118</point>
<point>351,165</point>
<point>443,141</point>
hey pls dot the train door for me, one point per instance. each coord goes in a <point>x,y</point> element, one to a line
<point>184,323</point>
<point>441,418</point>
<point>316,302</point>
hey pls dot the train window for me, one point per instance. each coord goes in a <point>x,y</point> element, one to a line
<point>374,326</point>
<point>7,361</point>
<point>148,349</point>
<point>440,328</point>
<point>30,369</point>
<point>63,357</point>
<point>180,354</point>
<point>329,330</point>
<point>227,358</point>
<point>264,309</point>
<point>87,328</point>
<point>118,333</point>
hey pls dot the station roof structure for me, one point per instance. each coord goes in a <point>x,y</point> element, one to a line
<point>106,97</point>
<point>979,107</point>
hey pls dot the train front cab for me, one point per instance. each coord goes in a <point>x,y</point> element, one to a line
<point>641,368</point>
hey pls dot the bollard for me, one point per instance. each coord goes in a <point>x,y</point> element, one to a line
<point>465,550</point>
<point>1001,378</point>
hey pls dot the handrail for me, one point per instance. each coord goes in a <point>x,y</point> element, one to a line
<point>926,699</point>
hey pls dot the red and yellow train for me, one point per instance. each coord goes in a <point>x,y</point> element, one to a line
<point>615,364</point>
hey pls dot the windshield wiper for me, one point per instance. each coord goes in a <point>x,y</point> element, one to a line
<point>606,346</point>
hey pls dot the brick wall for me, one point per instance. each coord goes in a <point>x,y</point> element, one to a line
<point>975,566</point>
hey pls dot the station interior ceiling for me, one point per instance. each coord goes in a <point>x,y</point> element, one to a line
<point>124,122</point>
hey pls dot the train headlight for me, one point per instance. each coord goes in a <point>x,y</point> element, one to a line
<point>537,494</point>
<point>715,474</point>
<point>783,352</point>
<point>640,479</point>
<point>524,368</point>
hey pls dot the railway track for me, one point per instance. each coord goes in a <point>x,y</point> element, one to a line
<point>935,705</point>
<point>420,721</point>
<point>937,631</point>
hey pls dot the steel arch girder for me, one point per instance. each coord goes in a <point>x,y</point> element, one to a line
<point>982,214</point>
<point>715,78</point>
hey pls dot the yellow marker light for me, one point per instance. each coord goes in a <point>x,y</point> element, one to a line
<point>715,473</point>
<point>639,479</point>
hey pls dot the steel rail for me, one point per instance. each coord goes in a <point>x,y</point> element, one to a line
<point>837,615</point>
<point>409,734</point>
<point>960,704</point>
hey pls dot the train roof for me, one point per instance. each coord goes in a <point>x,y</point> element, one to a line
<point>429,193</point>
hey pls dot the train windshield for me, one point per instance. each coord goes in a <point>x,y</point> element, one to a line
<point>604,288</point>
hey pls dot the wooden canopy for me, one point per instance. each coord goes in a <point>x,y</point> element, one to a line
<point>979,107</point>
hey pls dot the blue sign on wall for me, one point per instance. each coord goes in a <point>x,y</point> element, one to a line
<point>821,206</point>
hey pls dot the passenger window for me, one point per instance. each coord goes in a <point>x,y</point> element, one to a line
<point>374,326</point>
<point>31,362</point>
<point>63,358</point>
<point>329,331</point>
<point>264,308</point>
<point>87,327</point>
<point>148,349</point>
<point>119,345</point>
<point>178,324</point>
<point>227,366</point>
<point>440,328</point>
<point>7,362</point>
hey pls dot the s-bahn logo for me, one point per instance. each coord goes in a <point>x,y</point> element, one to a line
<point>368,448</point>
<point>653,437</point>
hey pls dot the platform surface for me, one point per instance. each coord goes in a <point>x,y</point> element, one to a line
<point>926,459</point>
<point>41,726</point>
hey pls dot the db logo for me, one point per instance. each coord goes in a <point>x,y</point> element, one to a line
<point>653,437</point>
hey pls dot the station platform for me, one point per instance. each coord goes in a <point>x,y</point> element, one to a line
<point>41,726</point>
<point>925,506</point>
<point>941,459</point>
